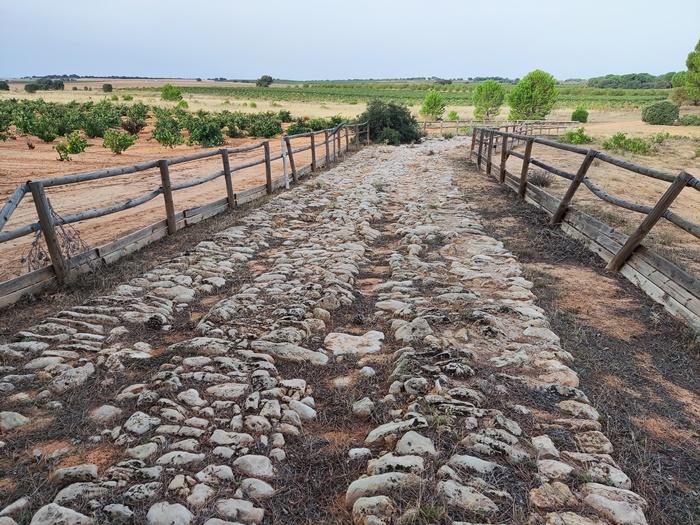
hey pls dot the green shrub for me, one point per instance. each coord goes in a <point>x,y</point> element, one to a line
<point>205,130</point>
<point>99,118</point>
<point>389,136</point>
<point>182,104</point>
<point>433,105</point>
<point>107,88</point>
<point>620,141</point>
<point>167,130</point>
<point>264,125</point>
<point>543,179</point>
<point>114,98</point>
<point>689,120</point>
<point>284,115</point>
<point>127,98</point>
<point>453,115</point>
<point>135,120</point>
<point>31,87</point>
<point>659,138</point>
<point>488,98</point>
<point>4,86</point>
<point>73,145</point>
<point>381,115</point>
<point>118,141</point>
<point>533,96</point>
<point>664,112</point>
<point>170,93</point>
<point>576,137</point>
<point>697,152</point>
<point>448,135</point>
<point>580,114</point>
<point>252,104</point>
<point>298,127</point>
<point>45,128</point>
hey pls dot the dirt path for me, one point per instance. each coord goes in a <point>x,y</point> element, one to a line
<point>357,350</point>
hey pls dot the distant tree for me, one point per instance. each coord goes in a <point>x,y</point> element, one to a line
<point>433,105</point>
<point>488,98</point>
<point>264,81</point>
<point>171,93</point>
<point>533,97</point>
<point>4,86</point>
<point>679,95</point>
<point>107,88</point>
<point>198,79</point>
<point>679,79</point>
<point>31,87</point>
<point>692,83</point>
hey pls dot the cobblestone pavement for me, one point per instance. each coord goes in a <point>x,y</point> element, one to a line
<point>175,399</point>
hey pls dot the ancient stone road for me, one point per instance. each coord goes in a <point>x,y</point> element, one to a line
<point>175,399</point>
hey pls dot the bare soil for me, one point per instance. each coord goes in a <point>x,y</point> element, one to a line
<point>638,364</point>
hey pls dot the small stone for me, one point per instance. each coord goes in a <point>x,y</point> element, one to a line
<point>53,514</point>
<point>414,443</point>
<point>105,414</point>
<point>164,513</point>
<point>552,496</point>
<point>256,489</point>
<point>199,495</point>
<point>347,344</point>
<point>306,413</point>
<point>359,453</point>
<point>240,510</point>
<point>140,423</point>
<point>464,497</point>
<point>142,451</point>
<point>12,420</point>
<point>255,466</point>
<point>381,507</point>
<point>118,514</point>
<point>84,472</point>
<point>380,484</point>
<point>72,378</point>
<point>363,408</point>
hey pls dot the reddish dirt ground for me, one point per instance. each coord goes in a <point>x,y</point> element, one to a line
<point>19,164</point>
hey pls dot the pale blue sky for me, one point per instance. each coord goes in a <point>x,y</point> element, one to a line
<point>320,39</point>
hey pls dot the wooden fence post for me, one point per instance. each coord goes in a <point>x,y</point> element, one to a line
<point>227,177</point>
<point>504,159</point>
<point>347,139</point>
<point>578,179</point>
<point>649,221</point>
<point>283,153</point>
<point>313,151</point>
<point>471,149</point>
<point>335,153</point>
<point>328,151</point>
<point>523,173</point>
<point>43,211</point>
<point>167,196</point>
<point>356,138</point>
<point>488,157</point>
<point>291,158</point>
<point>268,168</point>
<point>481,147</point>
<point>368,139</point>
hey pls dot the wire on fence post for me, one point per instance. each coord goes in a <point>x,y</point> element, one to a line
<point>229,181</point>
<point>649,221</point>
<point>167,196</point>
<point>43,211</point>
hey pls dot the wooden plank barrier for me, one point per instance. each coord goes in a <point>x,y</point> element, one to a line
<point>64,267</point>
<point>673,287</point>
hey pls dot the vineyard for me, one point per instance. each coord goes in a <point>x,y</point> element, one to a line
<point>414,92</point>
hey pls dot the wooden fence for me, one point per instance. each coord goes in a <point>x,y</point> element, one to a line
<point>465,127</point>
<point>663,281</point>
<point>326,147</point>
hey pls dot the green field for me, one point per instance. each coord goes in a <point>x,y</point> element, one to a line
<point>456,94</point>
